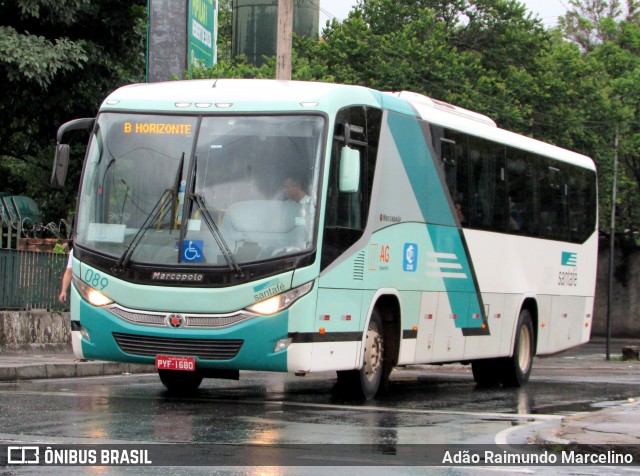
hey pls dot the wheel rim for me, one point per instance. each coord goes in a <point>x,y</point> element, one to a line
<point>373,354</point>
<point>524,349</point>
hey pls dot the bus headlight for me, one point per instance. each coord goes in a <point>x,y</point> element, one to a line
<point>92,296</point>
<point>281,301</point>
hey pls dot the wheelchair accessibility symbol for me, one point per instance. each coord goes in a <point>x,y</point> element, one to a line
<point>192,251</point>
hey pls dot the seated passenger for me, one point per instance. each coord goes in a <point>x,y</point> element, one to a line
<point>515,218</point>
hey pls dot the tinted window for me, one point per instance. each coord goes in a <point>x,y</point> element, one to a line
<point>554,192</point>
<point>582,204</point>
<point>346,214</point>
<point>504,189</point>
<point>454,160</point>
<point>522,192</point>
<point>487,188</point>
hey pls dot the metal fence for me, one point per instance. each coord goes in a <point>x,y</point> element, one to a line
<point>30,279</point>
<point>10,223</point>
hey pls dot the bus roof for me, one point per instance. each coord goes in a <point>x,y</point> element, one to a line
<point>238,95</point>
<point>242,95</point>
<point>454,117</point>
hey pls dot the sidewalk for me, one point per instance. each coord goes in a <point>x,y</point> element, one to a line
<point>618,424</point>
<point>29,366</point>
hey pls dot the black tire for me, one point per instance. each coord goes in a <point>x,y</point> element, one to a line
<point>517,368</point>
<point>365,382</point>
<point>180,382</point>
<point>486,372</point>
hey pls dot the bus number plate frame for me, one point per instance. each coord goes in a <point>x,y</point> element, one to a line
<point>173,362</point>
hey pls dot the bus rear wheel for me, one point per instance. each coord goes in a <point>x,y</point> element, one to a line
<point>180,382</point>
<point>486,372</point>
<point>365,382</point>
<point>517,368</point>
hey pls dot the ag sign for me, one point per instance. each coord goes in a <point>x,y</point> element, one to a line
<point>202,24</point>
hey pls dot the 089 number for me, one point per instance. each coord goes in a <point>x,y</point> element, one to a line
<point>95,280</point>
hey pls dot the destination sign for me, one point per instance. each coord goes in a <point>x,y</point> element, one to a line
<point>156,128</point>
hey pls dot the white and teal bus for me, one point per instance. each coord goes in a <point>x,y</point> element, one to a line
<point>228,225</point>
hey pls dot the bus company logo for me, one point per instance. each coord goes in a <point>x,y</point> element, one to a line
<point>268,289</point>
<point>410,258</point>
<point>23,455</point>
<point>176,320</point>
<point>568,277</point>
<point>569,259</point>
<point>379,257</point>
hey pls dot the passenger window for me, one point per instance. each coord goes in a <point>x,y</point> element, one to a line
<point>487,189</point>
<point>522,192</point>
<point>453,150</point>
<point>554,192</point>
<point>582,205</point>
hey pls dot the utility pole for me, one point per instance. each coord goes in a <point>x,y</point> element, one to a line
<point>612,236</point>
<point>285,35</point>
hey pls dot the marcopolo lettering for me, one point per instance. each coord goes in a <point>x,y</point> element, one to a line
<point>182,277</point>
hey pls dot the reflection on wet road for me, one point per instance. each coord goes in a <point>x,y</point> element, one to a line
<point>424,405</point>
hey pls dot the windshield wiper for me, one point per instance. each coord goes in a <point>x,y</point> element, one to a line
<point>190,199</point>
<point>175,190</point>
<point>217,235</point>
<point>158,212</point>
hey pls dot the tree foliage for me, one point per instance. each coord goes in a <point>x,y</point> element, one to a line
<point>58,58</point>
<point>592,22</point>
<point>573,86</point>
<point>608,35</point>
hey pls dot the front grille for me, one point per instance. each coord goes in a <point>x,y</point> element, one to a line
<point>200,321</point>
<point>206,349</point>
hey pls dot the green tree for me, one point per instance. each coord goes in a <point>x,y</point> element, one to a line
<point>225,27</point>
<point>480,54</point>
<point>609,37</point>
<point>57,61</point>
<point>592,22</point>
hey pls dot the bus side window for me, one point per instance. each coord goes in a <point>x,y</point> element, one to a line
<point>453,154</point>
<point>449,161</point>
<point>582,204</point>
<point>522,190</point>
<point>346,213</point>
<point>486,185</point>
<point>554,191</point>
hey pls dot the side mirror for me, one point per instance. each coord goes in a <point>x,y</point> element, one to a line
<point>61,159</point>
<point>349,170</point>
<point>60,165</point>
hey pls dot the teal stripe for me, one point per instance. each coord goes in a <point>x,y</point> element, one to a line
<point>421,170</point>
<point>462,293</point>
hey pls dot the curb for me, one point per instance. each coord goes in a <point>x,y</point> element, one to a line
<point>581,426</point>
<point>70,370</point>
<point>550,436</point>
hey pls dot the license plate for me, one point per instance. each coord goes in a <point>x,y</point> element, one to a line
<point>170,362</point>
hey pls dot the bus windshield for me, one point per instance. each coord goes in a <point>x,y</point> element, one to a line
<point>204,191</point>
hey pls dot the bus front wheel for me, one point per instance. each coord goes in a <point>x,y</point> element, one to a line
<point>180,382</point>
<point>365,382</point>
<point>517,368</point>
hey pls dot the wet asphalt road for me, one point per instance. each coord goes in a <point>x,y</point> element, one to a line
<point>429,404</point>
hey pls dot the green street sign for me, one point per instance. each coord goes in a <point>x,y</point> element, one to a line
<point>202,24</point>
